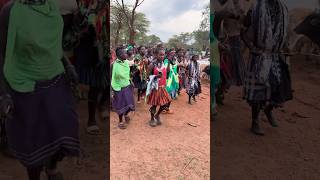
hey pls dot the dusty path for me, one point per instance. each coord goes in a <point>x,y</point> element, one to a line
<point>290,151</point>
<point>174,150</point>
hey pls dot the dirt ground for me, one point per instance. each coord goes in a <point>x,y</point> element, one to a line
<point>174,150</point>
<point>290,151</point>
<point>177,150</point>
<point>91,165</point>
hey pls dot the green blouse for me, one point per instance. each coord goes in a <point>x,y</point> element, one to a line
<point>120,75</point>
<point>34,45</point>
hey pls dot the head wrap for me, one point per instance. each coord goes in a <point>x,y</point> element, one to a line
<point>129,48</point>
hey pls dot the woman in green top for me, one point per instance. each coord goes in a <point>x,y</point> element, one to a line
<point>173,78</point>
<point>123,99</point>
<point>44,124</point>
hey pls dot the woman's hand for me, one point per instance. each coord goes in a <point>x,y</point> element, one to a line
<point>72,74</point>
<point>6,105</point>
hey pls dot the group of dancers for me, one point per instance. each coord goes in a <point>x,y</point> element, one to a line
<point>48,47</point>
<point>265,77</point>
<point>159,75</point>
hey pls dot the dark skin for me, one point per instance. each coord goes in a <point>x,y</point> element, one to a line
<point>160,58</point>
<point>122,57</point>
<point>142,51</point>
<point>33,173</point>
<point>154,114</point>
<point>194,59</point>
<point>130,52</point>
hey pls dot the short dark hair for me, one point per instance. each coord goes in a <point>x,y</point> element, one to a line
<point>158,49</point>
<point>119,50</point>
<point>194,55</point>
<point>140,47</point>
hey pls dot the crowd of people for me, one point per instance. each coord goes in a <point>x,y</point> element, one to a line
<point>48,47</point>
<point>159,76</point>
<point>261,26</point>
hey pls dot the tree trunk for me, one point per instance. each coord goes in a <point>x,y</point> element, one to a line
<point>132,29</point>
<point>116,40</point>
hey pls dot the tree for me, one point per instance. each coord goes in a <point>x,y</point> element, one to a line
<point>142,25</point>
<point>201,39</point>
<point>150,40</point>
<point>180,41</point>
<point>117,22</point>
<point>130,17</point>
<point>205,22</point>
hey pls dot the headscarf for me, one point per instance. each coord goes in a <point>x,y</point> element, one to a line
<point>129,48</point>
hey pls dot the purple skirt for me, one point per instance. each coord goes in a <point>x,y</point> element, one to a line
<point>123,100</point>
<point>44,123</point>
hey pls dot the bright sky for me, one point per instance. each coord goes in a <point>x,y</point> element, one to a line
<point>171,17</point>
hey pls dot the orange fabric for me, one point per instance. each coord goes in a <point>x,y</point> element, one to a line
<point>159,97</point>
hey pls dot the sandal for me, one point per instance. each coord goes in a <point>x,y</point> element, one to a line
<point>122,125</point>
<point>127,119</point>
<point>93,130</point>
<point>153,122</point>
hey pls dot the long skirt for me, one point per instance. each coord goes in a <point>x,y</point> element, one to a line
<point>270,91</point>
<point>123,100</point>
<point>44,123</point>
<point>159,97</point>
<point>194,87</point>
<point>182,80</point>
<point>238,65</point>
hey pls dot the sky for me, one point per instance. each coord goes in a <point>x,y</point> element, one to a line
<point>172,17</point>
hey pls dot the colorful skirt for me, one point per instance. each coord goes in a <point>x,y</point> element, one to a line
<point>194,87</point>
<point>44,124</point>
<point>182,80</point>
<point>123,100</point>
<point>270,91</point>
<point>158,97</point>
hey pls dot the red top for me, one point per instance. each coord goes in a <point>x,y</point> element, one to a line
<point>163,79</point>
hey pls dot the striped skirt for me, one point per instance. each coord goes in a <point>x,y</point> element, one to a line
<point>123,100</point>
<point>44,123</point>
<point>159,97</point>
